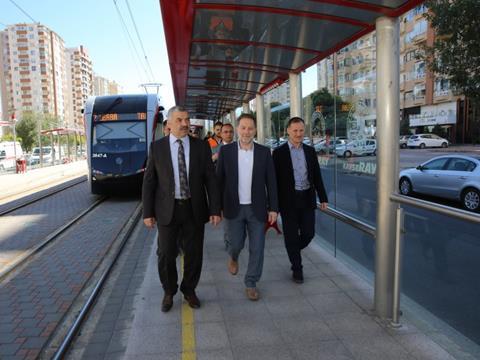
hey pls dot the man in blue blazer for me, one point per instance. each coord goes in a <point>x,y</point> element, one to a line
<point>299,182</point>
<point>248,188</point>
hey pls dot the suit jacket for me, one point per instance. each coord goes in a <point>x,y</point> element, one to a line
<point>158,192</point>
<point>264,184</point>
<point>286,180</point>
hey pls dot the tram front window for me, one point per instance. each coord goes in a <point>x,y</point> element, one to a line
<point>119,137</point>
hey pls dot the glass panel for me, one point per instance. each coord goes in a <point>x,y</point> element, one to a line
<point>309,6</point>
<point>440,268</point>
<point>263,27</point>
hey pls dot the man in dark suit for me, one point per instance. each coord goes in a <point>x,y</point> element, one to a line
<point>180,194</point>
<point>299,181</point>
<point>249,198</point>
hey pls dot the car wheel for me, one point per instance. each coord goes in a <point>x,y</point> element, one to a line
<point>471,199</point>
<point>444,145</point>
<point>347,154</point>
<point>405,186</point>
<point>374,152</point>
<point>403,146</point>
<point>422,146</point>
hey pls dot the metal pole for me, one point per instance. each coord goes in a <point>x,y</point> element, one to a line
<point>387,161</point>
<point>53,148</point>
<point>232,117</point>
<point>260,118</point>
<point>76,145</point>
<point>39,126</point>
<point>295,81</point>
<point>398,268</point>
<point>68,146</point>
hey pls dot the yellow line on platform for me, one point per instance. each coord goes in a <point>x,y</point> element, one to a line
<point>188,329</point>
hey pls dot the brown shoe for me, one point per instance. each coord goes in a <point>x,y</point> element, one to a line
<point>192,300</point>
<point>233,266</point>
<point>167,302</point>
<point>252,294</point>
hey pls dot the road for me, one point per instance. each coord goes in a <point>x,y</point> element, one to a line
<point>440,253</point>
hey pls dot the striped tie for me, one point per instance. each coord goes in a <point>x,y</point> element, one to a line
<point>182,172</point>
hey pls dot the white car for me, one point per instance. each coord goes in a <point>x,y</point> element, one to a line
<point>422,141</point>
<point>357,147</point>
<point>454,177</point>
<point>47,156</point>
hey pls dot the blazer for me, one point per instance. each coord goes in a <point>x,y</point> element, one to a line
<point>286,179</point>
<point>264,184</point>
<point>158,191</point>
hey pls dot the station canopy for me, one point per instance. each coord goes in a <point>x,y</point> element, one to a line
<point>223,53</point>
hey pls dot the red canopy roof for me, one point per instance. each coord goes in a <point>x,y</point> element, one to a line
<point>222,53</point>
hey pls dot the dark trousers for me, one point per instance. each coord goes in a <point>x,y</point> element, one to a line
<point>298,229</point>
<point>190,235</point>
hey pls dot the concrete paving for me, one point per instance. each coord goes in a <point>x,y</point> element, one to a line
<point>327,317</point>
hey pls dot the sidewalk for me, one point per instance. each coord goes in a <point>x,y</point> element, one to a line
<point>327,317</point>
<point>17,185</point>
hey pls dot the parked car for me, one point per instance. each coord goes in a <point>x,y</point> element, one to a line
<point>403,141</point>
<point>454,177</point>
<point>357,147</point>
<point>422,141</point>
<point>8,151</point>
<point>47,155</point>
<point>323,148</point>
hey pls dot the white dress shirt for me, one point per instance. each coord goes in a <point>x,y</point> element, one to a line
<point>245,171</point>
<point>174,155</point>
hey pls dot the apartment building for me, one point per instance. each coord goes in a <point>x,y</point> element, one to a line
<point>425,98</point>
<point>33,71</point>
<point>103,86</point>
<point>80,82</point>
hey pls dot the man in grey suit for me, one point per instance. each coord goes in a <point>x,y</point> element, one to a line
<point>180,194</point>
<point>248,187</point>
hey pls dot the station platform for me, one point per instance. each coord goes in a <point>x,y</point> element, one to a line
<point>14,186</point>
<point>327,317</point>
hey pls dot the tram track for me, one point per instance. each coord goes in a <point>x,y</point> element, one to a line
<point>95,290</point>
<point>45,194</point>
<point>17,262</point>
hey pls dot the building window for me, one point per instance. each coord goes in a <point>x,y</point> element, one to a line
<point>419,92</point>
<point>419,70</point>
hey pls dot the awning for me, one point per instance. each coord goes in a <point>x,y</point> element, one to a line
<point>223,53</point>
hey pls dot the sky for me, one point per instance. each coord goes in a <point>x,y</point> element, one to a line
<point>96,25</point>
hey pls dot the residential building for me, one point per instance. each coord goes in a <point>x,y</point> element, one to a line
<point>103,86</point>
<point>33,71</point>
<point>80,82</point>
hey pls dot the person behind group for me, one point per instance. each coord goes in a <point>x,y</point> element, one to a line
<point>248,187</point>
<point>166,129</point>
<point>299,182</point>
<point>226,134</point>
<point>216,138</point>
<point>178,180</point>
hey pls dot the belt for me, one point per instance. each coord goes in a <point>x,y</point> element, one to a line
<point>302,191</point>
<point>182,201</point>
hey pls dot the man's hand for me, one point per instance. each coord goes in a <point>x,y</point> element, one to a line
<point>272,217</point>
<point>215,157</point>
<point>149,222</point>
<point>323,206</point>
<point>215,220</point>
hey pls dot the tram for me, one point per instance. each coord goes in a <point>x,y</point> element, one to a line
<point>119,130</point>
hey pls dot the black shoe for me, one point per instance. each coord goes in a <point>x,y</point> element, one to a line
<point>298,276</point>
<point>192,300</point>
<point>167,302</point>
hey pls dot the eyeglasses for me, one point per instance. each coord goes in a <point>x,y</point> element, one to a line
<point>216,21</point>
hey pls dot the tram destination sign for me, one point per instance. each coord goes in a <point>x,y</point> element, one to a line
<point>120,117</point>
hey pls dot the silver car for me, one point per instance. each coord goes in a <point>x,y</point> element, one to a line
<point>454,177</point>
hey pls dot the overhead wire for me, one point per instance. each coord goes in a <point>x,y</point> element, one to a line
<point>23,11</point>
<point>131,43</point>
<point>140,39</point>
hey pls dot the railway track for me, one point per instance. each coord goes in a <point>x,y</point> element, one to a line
<point>43,195</point>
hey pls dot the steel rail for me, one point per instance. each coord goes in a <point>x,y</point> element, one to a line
<point>19,260</point>
<point>57,189</point>
<point>124,236</point>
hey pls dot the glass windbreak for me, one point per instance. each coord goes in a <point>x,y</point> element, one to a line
<point>119,137</point>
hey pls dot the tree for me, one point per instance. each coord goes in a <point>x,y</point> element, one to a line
<point>27,130</point>
<point>455,53</point>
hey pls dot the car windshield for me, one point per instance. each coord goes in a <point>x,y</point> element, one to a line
<point>45,151</point>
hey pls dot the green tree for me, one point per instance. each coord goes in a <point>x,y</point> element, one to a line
<point>456,50</point>
<point>27,130</point>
